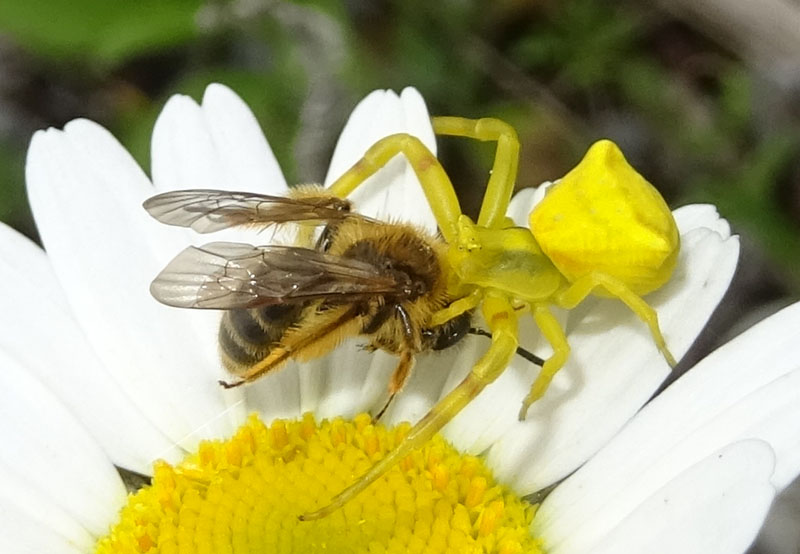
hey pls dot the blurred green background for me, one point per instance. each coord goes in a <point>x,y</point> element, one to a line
<point>703,100</point>
<point>702,95</point>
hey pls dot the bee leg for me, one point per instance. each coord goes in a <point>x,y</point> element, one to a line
<point>502,322</point>
<point>398,380</point>
<point>581,288</point>
<point>506,160</point>
<point>403,370</point>
<point>231,384</point>
<point>552,331</point>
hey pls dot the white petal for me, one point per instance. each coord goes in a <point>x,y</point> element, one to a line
<point>613,369</point>
<point>494,413</point>
<point>715,506</point>
<point>182,150</point>
<point>21,256</point>
<point>49,453</point>
<point>354,380</point>
<point>524,201</point>
<point>394,191</point>
<point>695,216</point>
<point>85,192</point>
<point>312,380</point>
<point>247,159</point>
<point>748,389</point>
<point>31,519</point>
<point>277,394</point>
<point>780,532</point>
<point>24,533</point>
<point>36,315</point>
<point>345,382</point>
<point>218,145</point>
<point>428,380</point>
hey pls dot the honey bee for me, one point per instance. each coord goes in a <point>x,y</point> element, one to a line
<point>362,277</point>
<point>601,229</point>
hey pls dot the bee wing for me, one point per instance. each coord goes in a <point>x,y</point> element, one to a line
<point>227,275</point>
<point>207,211</point>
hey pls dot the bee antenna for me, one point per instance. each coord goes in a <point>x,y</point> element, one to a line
<point>521,352</point>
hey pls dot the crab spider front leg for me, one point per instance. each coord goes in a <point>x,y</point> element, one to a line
<point>506,161</point>
<point>435,183</point>
<point>502,321</point>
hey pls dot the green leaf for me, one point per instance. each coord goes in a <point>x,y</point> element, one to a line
<point>108,31</point>
<point>749,199</point>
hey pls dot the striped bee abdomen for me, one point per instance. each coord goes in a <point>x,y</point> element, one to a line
<point>247,336</point>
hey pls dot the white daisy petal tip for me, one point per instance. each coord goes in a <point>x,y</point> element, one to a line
<point>216,144</point>
<point>41,141</point>
<point>86,128</point>
<point>181,150</point>
<point>694,216</point>
<point>243,149</point>
<point>394,192</point>
<point>219,92</point>
<point>176,107</point>
<point>417,117</point>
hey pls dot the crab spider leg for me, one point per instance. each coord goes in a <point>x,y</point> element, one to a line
<point>552,331</point>
<point>502,322</point>
<point>456,308</point>
<point>435,183</point>
<point>582,287</point>
<point>504,170</point>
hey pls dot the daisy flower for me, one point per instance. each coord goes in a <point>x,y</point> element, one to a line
<point>96,374</point>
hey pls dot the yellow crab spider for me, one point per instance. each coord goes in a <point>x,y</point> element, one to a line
<point>602,229</point>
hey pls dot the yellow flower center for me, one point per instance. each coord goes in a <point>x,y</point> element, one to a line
<point>243,495</point>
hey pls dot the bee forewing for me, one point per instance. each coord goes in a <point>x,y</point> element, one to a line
<point>226,275</point>
<point>207,211</point>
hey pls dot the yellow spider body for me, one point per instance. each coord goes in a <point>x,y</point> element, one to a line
<point>603,216</point>
<point>601,229</point>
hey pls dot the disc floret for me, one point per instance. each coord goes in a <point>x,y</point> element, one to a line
<point>245,495</point>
